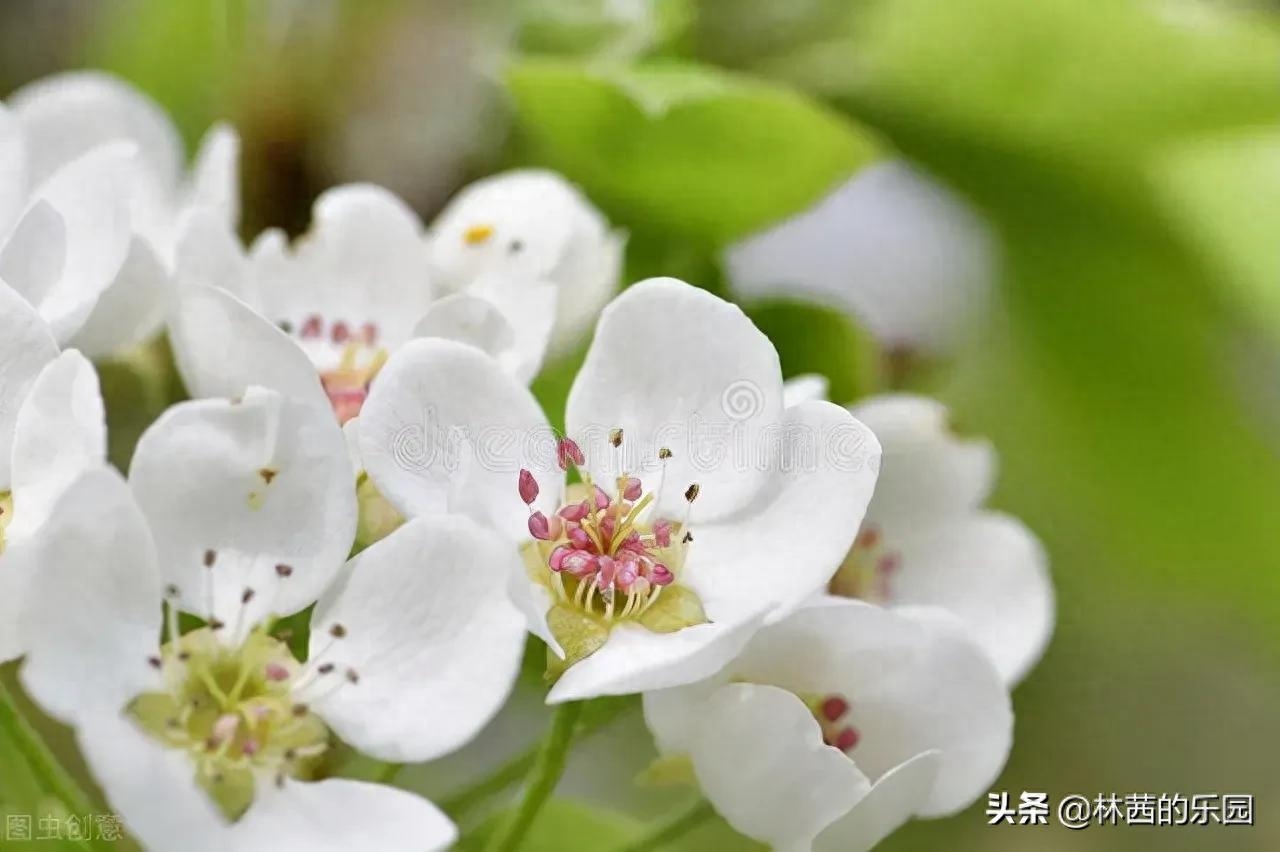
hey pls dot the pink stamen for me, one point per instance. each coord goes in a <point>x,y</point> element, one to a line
<point>631,489</point>
<point>580,539</point>
<point>277,672</point>
<point>568,451</point>
<point>579,564</point>
<point>528,487</point>
<point>834,708</point>
<point>556,560</point>
<point>847,739</point>
<point>608,570</point>
<point>313,327</point>
<point>602,499</point>
<point>539,526</point>
<point>250,748</point>
<point>574,511</point>
<point>369,331</point>
<point>662,533</point>
<point>340,333</point>
<point>660,575</point>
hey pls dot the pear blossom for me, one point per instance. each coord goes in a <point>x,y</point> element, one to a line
<point>900,254</point>
<point>927,540</point>
<point>240,513</point>
<point>703,508</point>
<point>133,213</point>
<point>838,724</point>
<point>318,319</point>
<point>532,224</point>
<point>52,429</point>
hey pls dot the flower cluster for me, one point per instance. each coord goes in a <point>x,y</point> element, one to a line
<point>339,544</point>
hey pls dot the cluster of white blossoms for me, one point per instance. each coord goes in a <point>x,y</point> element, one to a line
<point>821,617</point>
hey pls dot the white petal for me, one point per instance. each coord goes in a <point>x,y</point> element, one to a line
<point>761,762</point>
<point>13,169</point>
<point>527,308</point>
<point>445,429</point>
<point>259,483</point>
<point>151,788</point>
<point>674,366</point>
<point>34,253</point>
<point>209,253</point>
<point>893,800</point>
<point>429,630</point>
<point>928,471</point>
<point>636,660</point>
<point>340,815</point>
<point>775,553</point>
<point>363,261</point>
<point>61,433</point>
<point>25,347</point>
<point>805,388</point>
<point>131,310</point>
<point>215,176</point>
<point>66,115</point>
<point>897,251</point>
<point>92,613</point>
<point>673,715</point>
<point>587,277</point>
<point>91,194</point>
<point>222,347</point>
<point>478,322</point>
<point>990,571</point>
<point>915,681</point>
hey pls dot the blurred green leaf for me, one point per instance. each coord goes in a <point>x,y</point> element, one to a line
<point>564,826</point>
<point>682,148</point>
<point>1116,373</point>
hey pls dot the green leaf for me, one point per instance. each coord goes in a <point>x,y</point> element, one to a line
<point>682,148</point>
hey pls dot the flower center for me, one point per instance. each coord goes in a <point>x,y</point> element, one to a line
<point>833,713</point>
<point>234,711</point>
<point>346,383</point>
<point>868,569</point>
<point>608,558</point>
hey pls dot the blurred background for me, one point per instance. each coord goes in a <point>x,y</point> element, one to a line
<point>1117,163</point>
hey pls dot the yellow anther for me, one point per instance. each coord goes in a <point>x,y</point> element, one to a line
<point>477,234</point>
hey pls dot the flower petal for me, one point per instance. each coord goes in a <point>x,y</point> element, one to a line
<point>777,552</point>
<point>233,490</point>
<point>91,195</point>
<point>339,815</point>
<point>92,612</point>
<point>636,660</point>
<point>66,115</point>
<point>928,472</point>
<point>673,715</point>
<point>897,251</point>
<point>989,570</point>
<point>215,176</point>
<point>221,347</point>
<point>61,433</point>
<point>892,800</point>
<point>25,347</point>
<point>151,788</point>
<point>131,310</point>
<point>915,682</point>
<point>13,169</point>
<point>674,366</point>
<point>445,429</point>
<point>360,233</point>
<point>761,762</point>
<point>428,628</point>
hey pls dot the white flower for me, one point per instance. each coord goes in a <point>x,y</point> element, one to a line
<point>52,430</point>
<point>239,512</point>
<point>715,509</point>
<point>899,253</point>
<point>318,320</point>
<point>532,225</point>
<point>926,538</point>
<point>837,725</point>
<point>66,119</point>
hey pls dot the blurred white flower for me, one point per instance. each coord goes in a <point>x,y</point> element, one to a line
<point>242,512</point>
<point>926,539</point>
<point>900,254</point>
<point>705,508</point>
<point>127,217</point>
<point>318,319</point>
<point>839,724</point>
<point>52,429</point>
<point>532,225</point>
